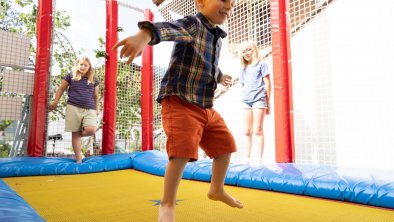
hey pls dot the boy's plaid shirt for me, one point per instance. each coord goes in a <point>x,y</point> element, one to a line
<point>193,71</point>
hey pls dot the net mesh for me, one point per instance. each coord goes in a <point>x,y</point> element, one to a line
<point>16,88</point>
<point>315,142</point>
<point>325,131</point>
<point>340,112</point>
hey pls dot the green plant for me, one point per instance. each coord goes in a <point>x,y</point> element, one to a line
<point>4,150</point>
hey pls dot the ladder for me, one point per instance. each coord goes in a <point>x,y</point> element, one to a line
<point>19,147</point>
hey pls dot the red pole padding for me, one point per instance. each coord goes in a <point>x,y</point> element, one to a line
<point>281,57</point>
<point>111,70</point>
<point>146,93</point>
<point>37,139</point>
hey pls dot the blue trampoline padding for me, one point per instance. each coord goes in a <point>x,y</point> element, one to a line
<point>36,166</point>
<point>13,208</point>
<point>365,186</point>
<point>198,170</point>
<point>153,162</point>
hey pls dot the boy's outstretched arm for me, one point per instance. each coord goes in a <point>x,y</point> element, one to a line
<point>134,45</point>
<point>226,80</point>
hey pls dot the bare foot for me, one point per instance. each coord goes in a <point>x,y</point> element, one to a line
<point>78,158</point>
<point>166,214</point>
<point>225,198</point>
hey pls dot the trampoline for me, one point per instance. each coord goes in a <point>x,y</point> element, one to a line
<point>128,187</point>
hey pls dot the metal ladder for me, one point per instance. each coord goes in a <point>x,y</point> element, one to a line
<point>19,147</point>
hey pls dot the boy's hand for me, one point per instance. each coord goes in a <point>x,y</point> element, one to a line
<point>157,2</point>
<point>134,45</point>
<point>226,80</point>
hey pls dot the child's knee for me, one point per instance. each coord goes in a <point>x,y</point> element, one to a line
<point>89,131</point>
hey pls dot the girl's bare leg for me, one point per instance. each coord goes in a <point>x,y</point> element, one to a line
<point>248,132</point>
<point>258,131</point>
<point>76,140</point>
<point>216,191</point>
<point>88,131</point>
<point>172,178</point>
<point>76,144</point>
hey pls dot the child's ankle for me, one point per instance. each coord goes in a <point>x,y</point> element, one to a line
<point>167,204</point>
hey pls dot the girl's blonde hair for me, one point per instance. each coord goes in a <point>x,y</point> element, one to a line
<point>89,74</point>
<point>256,54</point>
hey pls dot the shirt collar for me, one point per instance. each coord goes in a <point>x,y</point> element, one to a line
<point>207,24</point>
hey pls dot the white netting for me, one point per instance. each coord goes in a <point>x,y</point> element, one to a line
<point>128,115</point>
<point>159,140</point>
<point>342,83</point>
<point>16,88</point>
<point>314,124</point>
<point>340,72</point>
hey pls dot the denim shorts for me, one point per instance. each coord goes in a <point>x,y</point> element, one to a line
<point>259,104</point>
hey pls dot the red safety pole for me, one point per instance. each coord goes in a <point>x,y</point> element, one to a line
<point>37,139</point>
<point>147,92</point>
<point>283,98</point>
<point>111,70</point>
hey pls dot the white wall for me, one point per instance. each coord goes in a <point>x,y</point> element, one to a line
<point>342,77</point>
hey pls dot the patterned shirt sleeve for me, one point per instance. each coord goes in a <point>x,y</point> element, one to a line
<point>178,30</point>
<point>220,76</point>
<point>193,70</point>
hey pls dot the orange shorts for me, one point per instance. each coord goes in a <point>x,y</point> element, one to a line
<point>188,126</point>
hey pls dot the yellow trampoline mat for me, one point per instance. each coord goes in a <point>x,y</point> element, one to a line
<point>130,195</point>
